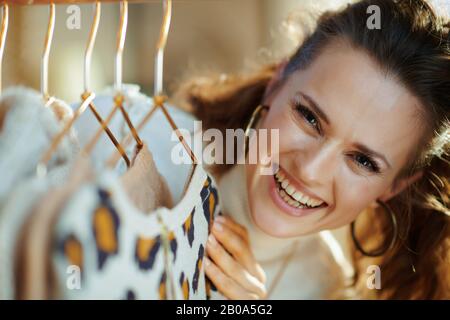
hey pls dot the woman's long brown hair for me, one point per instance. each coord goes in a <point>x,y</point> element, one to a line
<point>414,46</point>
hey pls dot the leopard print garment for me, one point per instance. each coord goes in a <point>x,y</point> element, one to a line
<point>106,249</point>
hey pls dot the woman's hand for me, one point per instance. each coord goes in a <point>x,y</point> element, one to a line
<point>232,267</point>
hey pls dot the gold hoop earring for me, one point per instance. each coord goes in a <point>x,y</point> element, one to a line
<point>380,251</point>
<point>256,115</point>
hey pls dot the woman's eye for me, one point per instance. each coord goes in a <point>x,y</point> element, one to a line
<point>366,163</point>
<point>308,116</point>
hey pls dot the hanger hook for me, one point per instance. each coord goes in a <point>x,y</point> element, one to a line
<point>90,46</point>
<point>120,44</point>
<point>46,54</point>
<point>159,60</point>
<point>3,33</point>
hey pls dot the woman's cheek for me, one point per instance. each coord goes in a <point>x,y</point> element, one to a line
<point>353,197</point>
<point>291,136</point>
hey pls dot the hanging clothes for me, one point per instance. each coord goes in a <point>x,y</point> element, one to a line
<point>121,251</point>
<point>27,131</point>
<point>34,276</point>
<point>143,184</point>
<point>106,224</point>
<point>146,189</point>
<point>119,227</point>
<point>157,133</point>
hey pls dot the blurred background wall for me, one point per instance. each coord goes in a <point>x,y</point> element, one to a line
<point>206,35</point>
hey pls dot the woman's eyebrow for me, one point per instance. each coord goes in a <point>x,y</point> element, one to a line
<point>372,153</point>
<point>315,107</point>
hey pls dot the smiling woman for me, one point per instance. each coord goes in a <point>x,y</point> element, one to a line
<point>363,119</point>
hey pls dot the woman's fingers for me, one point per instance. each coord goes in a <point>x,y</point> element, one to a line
<point>238,248</point>
<point>226,285</point>
<point>233,269</point>
<point>233,225</point>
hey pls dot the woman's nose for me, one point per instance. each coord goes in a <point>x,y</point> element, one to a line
<point>317,166</point>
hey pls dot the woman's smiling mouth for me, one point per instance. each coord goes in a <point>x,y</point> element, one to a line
<point>292,199</point>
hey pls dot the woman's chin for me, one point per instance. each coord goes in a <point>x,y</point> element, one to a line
<point>274,224</point>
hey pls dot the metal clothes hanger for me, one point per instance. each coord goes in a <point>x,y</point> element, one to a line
<point>159,98</point>
<point>88,97</point>
<point>158,93</point>
<point>3,33</point>
<point>119,97</point>
<point>46,55</point>
<point>87,91</point>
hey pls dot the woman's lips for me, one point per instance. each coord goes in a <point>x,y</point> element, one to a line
<point>286,207</point>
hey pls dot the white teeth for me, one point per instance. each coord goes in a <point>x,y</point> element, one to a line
<point>297,196</point>
<point>289,193</point>
<point>306,200</point>
<point>290,190</point>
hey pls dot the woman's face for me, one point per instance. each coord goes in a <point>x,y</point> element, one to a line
<point>345,131</point>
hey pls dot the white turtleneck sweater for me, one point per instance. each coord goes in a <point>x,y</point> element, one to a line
<point>318,268</point>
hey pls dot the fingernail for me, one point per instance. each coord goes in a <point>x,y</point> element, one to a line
<point>220,219</point>
<point>218,226</point>
<point>207,262</point>
<point>212,240</point>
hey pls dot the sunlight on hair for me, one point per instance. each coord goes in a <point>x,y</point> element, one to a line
<point>442,7</point>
